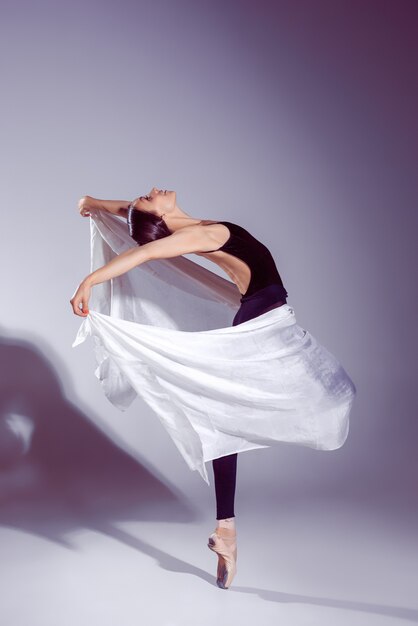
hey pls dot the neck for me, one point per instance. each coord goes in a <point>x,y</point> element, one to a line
<point>177,218</point>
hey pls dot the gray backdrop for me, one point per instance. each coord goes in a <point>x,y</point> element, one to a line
<point>296,120</point>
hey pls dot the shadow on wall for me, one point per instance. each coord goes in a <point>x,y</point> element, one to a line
<point>60,472</point>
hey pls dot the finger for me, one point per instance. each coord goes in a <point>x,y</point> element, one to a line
<point>78,311</point>
<point>81,312</point>
<point>85,305</point>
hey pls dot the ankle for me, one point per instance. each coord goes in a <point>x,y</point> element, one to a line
<point>228,522</point>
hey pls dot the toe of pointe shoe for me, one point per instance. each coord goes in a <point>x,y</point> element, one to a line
<point>226,580</point>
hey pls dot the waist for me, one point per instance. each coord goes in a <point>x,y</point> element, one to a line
<point>259,302</point>
<point>273,294</point>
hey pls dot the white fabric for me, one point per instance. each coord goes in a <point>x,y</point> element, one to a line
<point>163,331</point>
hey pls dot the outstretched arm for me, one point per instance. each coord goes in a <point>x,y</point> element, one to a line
<point>186,240</point>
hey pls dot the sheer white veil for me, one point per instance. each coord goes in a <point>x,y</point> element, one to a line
<point>164,331</point>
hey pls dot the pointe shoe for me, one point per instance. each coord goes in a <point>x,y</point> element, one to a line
<point>223,541</point>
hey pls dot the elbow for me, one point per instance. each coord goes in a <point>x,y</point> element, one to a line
<point>143,253</point>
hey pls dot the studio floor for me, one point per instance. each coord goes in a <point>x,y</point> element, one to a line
<point>313,561</point>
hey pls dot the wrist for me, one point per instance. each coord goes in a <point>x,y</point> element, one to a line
<point>89,280</point>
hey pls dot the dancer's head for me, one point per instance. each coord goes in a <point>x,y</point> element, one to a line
<point>145,216</point>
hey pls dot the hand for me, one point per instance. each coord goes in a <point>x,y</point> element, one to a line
<point>81,296</point>
<point>85,206</point>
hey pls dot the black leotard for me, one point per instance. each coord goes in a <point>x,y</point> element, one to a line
<point>255,254</point>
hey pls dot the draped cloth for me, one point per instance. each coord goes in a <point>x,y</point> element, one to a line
<point>162,331</point>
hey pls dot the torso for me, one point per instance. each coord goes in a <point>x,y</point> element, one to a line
<point>237,270</point>
<point>246,260</point>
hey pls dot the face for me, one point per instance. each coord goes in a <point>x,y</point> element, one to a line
<point>157,201</point>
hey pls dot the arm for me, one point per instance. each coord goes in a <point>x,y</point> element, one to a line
<point>186,240</point>
<point>117,207</point>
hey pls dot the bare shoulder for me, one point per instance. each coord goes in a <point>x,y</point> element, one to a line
<point>210,230</point>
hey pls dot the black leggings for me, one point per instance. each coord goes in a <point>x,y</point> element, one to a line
<point>225,467</point>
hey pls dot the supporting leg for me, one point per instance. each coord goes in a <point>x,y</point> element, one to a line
<point>225,475</point>
<point>223,540</point>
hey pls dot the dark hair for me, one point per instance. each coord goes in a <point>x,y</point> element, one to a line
<point>145,226</point>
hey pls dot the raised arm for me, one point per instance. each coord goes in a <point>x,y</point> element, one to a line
<point>186,240</point>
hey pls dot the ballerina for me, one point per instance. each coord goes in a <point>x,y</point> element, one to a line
<point>162,230</point>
